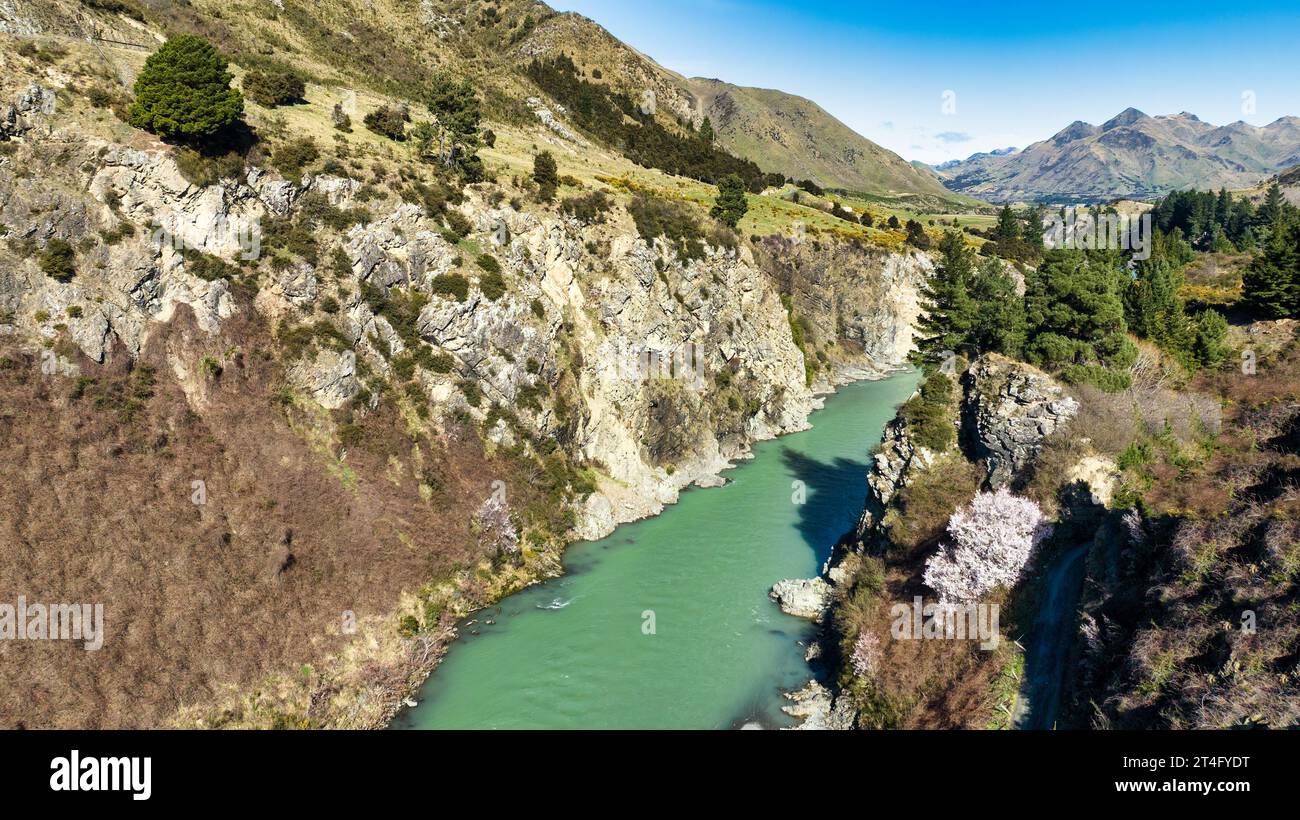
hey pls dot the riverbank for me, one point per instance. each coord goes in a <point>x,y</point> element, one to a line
<point>646,590</point>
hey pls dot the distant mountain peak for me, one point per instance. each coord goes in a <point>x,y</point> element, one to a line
<point>1126,117</point>
<point>1076,130</point>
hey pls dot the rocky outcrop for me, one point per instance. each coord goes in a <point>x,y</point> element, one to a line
<point>330,377</point>
<point>803,597</point>
<point>19,118</point>
<point>603,311</point>
<point>867,300</point>
<point>898,459</point>
<point>1009,409</point>
<point>819,709</point>
<point>553,364</point>
<point>549,120</point>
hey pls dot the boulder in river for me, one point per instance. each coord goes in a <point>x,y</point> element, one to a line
<point>802,597</point>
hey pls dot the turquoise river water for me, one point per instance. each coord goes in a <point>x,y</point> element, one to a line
<point>666,623</point>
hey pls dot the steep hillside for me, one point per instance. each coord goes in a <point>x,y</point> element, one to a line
<point>288,467</point>
<point>800,139</point>
<point>1130,156</point>
<point>781,132</point>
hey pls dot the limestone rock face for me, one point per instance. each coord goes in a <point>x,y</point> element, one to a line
<point>15,19</point>
<point>895,464</point>
<point>803,598</point>
<point>869,297</point>
<point>1010,407</point>
<point>671,368</point>
<point>330,377</point>
<point>23,115</point>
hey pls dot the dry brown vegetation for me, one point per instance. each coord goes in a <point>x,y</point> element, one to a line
<point>1213,548</point>
<point>917,683</point>
<point>96,507</point>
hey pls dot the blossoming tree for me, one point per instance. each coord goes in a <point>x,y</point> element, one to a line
<point>992,538</point>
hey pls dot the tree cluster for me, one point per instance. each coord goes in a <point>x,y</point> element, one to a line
<point>630,127</point>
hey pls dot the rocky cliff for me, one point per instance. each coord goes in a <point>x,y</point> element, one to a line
<point>470,383</point>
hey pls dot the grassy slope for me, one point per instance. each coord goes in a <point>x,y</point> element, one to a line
<point>799,138</point>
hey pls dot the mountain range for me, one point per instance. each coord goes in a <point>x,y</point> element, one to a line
<point>1132,155</point>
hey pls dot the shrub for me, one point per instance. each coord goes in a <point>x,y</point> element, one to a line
<point>493,285</point>
<point>291,157</point>
<point>340,119</point>
<point>589,208</point>
<point>451,284</point>
<point>674,221</point>
<point>471,392</point>
<point>201,169</point>
<point>207,267</point>
<point>866,654</point>
<point>274,88</point>
<point>1110,381</point>
<point>488,263</point>
<point>58,261</point>
<point>457,223</point>
<point>184,91</point>
<point>916,235</point>
<point>388,121</point>
<point>99,96</point>
<point>927,414</point>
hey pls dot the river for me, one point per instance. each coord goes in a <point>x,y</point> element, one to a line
<point>666,623</point>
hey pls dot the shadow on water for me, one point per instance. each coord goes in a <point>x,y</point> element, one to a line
<point>836,492</point>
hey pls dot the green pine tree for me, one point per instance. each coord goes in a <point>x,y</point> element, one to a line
<point>1152,306</point>
<point>457,108</point>
<point>1008,227</point>
<point>184,92</point>
<point>546,175</point>
<point>1271,211</point>
<point>949,309</point>
<point>731,204</point>
<point>1209,331</point>
<point>1075,316</point>
<point>998,324</point>
<point>706,131</point>
<point>1272,282</point>
<point>1033,231</point>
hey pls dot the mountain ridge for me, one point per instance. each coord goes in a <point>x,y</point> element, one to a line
<point>780,131</point>
<point>1132,155</point>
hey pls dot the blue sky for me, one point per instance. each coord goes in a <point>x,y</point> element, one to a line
<point>1018,72</point>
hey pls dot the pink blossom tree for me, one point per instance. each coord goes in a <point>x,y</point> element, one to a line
<point>866,654</point>
<point>992,540</point>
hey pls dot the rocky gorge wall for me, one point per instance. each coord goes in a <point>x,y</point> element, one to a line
<point>642,371</point>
